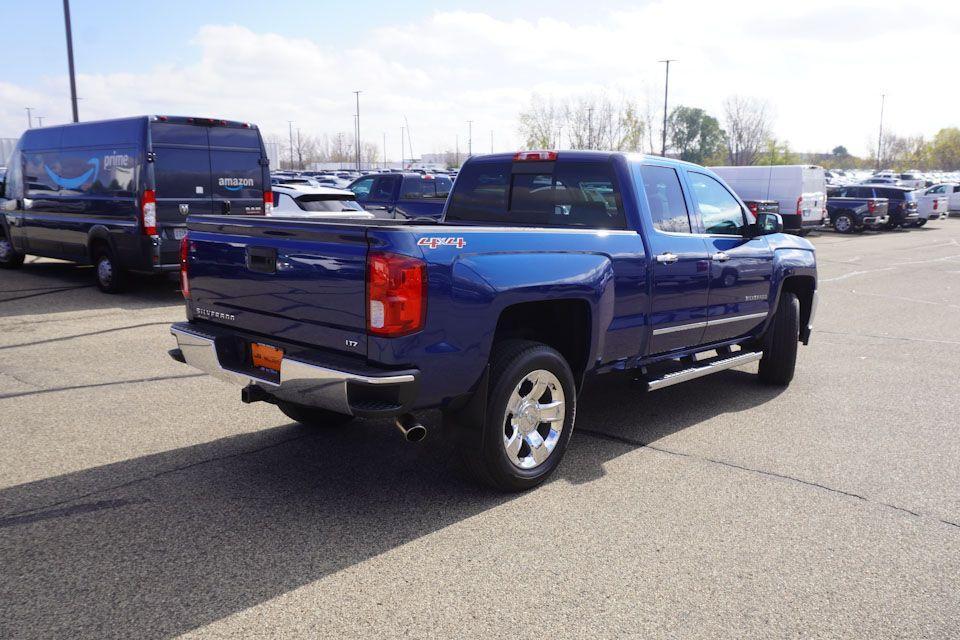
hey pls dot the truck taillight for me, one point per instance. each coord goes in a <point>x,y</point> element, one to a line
<point>753,207</point>
<point>185,266</point>
<point>267,203</point>
<point>935,203</point>
<point>148,213</point>
<point>871,206</point>
<point>800,206</point>
<point>396,294</point>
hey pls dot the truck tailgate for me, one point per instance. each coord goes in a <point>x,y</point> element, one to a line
<point>301,282</point>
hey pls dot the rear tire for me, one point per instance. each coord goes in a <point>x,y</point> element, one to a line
<point>844,223</point>
<point>531,408</point>
<point>922,222</point>
<point>781,342</point>
<point>111,278</point>
<point>312,417</point>
<point>10,258</point>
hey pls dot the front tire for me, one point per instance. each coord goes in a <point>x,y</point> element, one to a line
<point>10,258</point>
<point>531,408</point>
<point>781,342</point>
<point>312,417</point>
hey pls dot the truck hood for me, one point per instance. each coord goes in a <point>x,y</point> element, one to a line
<point>789,241</point>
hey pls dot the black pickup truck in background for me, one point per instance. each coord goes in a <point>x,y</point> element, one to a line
<point>849,212</point>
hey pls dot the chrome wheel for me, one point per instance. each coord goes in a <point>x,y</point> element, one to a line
<point>844,224</point>
<point>534,419</point>
<point>105,271</point>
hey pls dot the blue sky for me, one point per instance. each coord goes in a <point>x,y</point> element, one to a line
<point>820,64</point>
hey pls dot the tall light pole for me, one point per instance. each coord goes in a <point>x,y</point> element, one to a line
<point>290,125</point>
<point>73,77</point>
<point>29,117</point>
<point>666,90</point>
<point>883,99</point>
<point>470,138</point>
<point>357,94</point>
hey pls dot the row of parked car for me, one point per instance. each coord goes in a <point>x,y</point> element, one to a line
<point>806,199</point>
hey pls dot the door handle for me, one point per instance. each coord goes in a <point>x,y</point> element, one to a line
<point>667,258</point>
<point>720,257</point>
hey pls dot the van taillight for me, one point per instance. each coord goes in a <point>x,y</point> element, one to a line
<point>148,213</point>
<point>185,266</point>
<point>267,203</point>
<point>396,294</point>
<point>800,206</point>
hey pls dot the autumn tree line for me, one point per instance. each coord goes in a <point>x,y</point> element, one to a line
<point>742,135</point>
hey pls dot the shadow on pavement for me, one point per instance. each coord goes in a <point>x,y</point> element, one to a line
<point>159,545</point>
<point>54,287</point>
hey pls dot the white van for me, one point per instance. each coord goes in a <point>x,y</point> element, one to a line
<point>800,189</point>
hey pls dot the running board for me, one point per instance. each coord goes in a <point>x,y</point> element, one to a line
<point>698,372</point>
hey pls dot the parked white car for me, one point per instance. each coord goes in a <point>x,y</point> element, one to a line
<point>300,200</point>
<point>949,189</point>
<point>912,179</point>
<point>801,191</point>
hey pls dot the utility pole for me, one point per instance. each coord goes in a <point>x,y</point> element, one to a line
<point>491,140</point>
<point>458,149</point>
<point>470,139</point>
<point>666,89</point>
<point>590,128</point>
<point>357,93</point>
<point>29,117</point>
<point>73,77</point>
<point>883,99</point>
<point>39,121</point>
<point>299,151</point>
<point>290,125</point>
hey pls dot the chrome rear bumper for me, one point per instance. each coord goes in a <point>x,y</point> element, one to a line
<point>304,383</point>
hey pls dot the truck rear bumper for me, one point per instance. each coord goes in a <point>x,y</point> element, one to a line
<point>310,384</point>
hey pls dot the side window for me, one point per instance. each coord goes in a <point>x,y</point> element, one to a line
<point>383,189</point>
<point>362,188</point>
<point>939,189</point>
<point>720,211</point>
<point>665,198</point>
<point>443,184</point>
<point>412,189</point>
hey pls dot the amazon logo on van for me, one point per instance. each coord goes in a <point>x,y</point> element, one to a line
<point>90,175</point>
<point>234,184</point>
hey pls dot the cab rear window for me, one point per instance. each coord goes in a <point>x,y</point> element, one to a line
<point>566,194</point>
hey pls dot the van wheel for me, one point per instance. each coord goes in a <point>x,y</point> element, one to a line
<point>10,258</point>
<point>313,417</point>
<point>110,277</point>
<point>844,223</point>
<point>530,413</point>
<point>780,344</point>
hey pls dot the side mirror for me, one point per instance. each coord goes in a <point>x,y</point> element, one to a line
<point>768,223</point>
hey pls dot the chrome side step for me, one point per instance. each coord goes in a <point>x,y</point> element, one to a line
<point>698,372</point>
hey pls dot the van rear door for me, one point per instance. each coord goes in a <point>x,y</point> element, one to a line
<point>181,174</point>
<point>237,164</point>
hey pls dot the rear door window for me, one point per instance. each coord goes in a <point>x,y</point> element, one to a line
<point>236,173</point>
<point>182,172</point>
<point>665,199</point>
<point>384,188</point>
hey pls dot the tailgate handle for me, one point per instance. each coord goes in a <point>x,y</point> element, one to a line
<point>262,259</point>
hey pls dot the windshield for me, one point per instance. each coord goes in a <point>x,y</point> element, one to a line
<point>333,203</point>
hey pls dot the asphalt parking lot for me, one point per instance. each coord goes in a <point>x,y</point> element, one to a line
<point>139,499</point>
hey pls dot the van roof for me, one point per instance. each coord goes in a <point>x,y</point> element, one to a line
<point>155,118</point>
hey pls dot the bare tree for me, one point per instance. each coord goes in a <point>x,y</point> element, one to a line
<point>748,122</point>
<point>540,124</point>
<point>589,122</point>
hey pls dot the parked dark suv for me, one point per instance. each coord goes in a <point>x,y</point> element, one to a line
<point>902,207</point>
<point>116,193</point>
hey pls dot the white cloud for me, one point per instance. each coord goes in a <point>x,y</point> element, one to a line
<point>822,65</point>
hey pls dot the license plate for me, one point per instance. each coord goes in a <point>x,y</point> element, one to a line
<point>266,356</point>
<point>179,234</point>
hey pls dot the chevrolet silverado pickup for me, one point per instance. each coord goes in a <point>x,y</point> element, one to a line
<point>546,268</point>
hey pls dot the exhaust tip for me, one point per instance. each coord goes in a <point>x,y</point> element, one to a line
<point>411,428</point>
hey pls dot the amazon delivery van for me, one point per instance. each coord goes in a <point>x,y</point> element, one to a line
<point>116,193</point>
<point>801,191</point>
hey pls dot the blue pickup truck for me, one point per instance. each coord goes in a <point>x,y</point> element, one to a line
<point>546,268</point>
<point>402,196</point>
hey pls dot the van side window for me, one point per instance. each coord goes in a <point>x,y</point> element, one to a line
<point>665,198</point>
<point>40,170</point>
<point>719,210</point>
